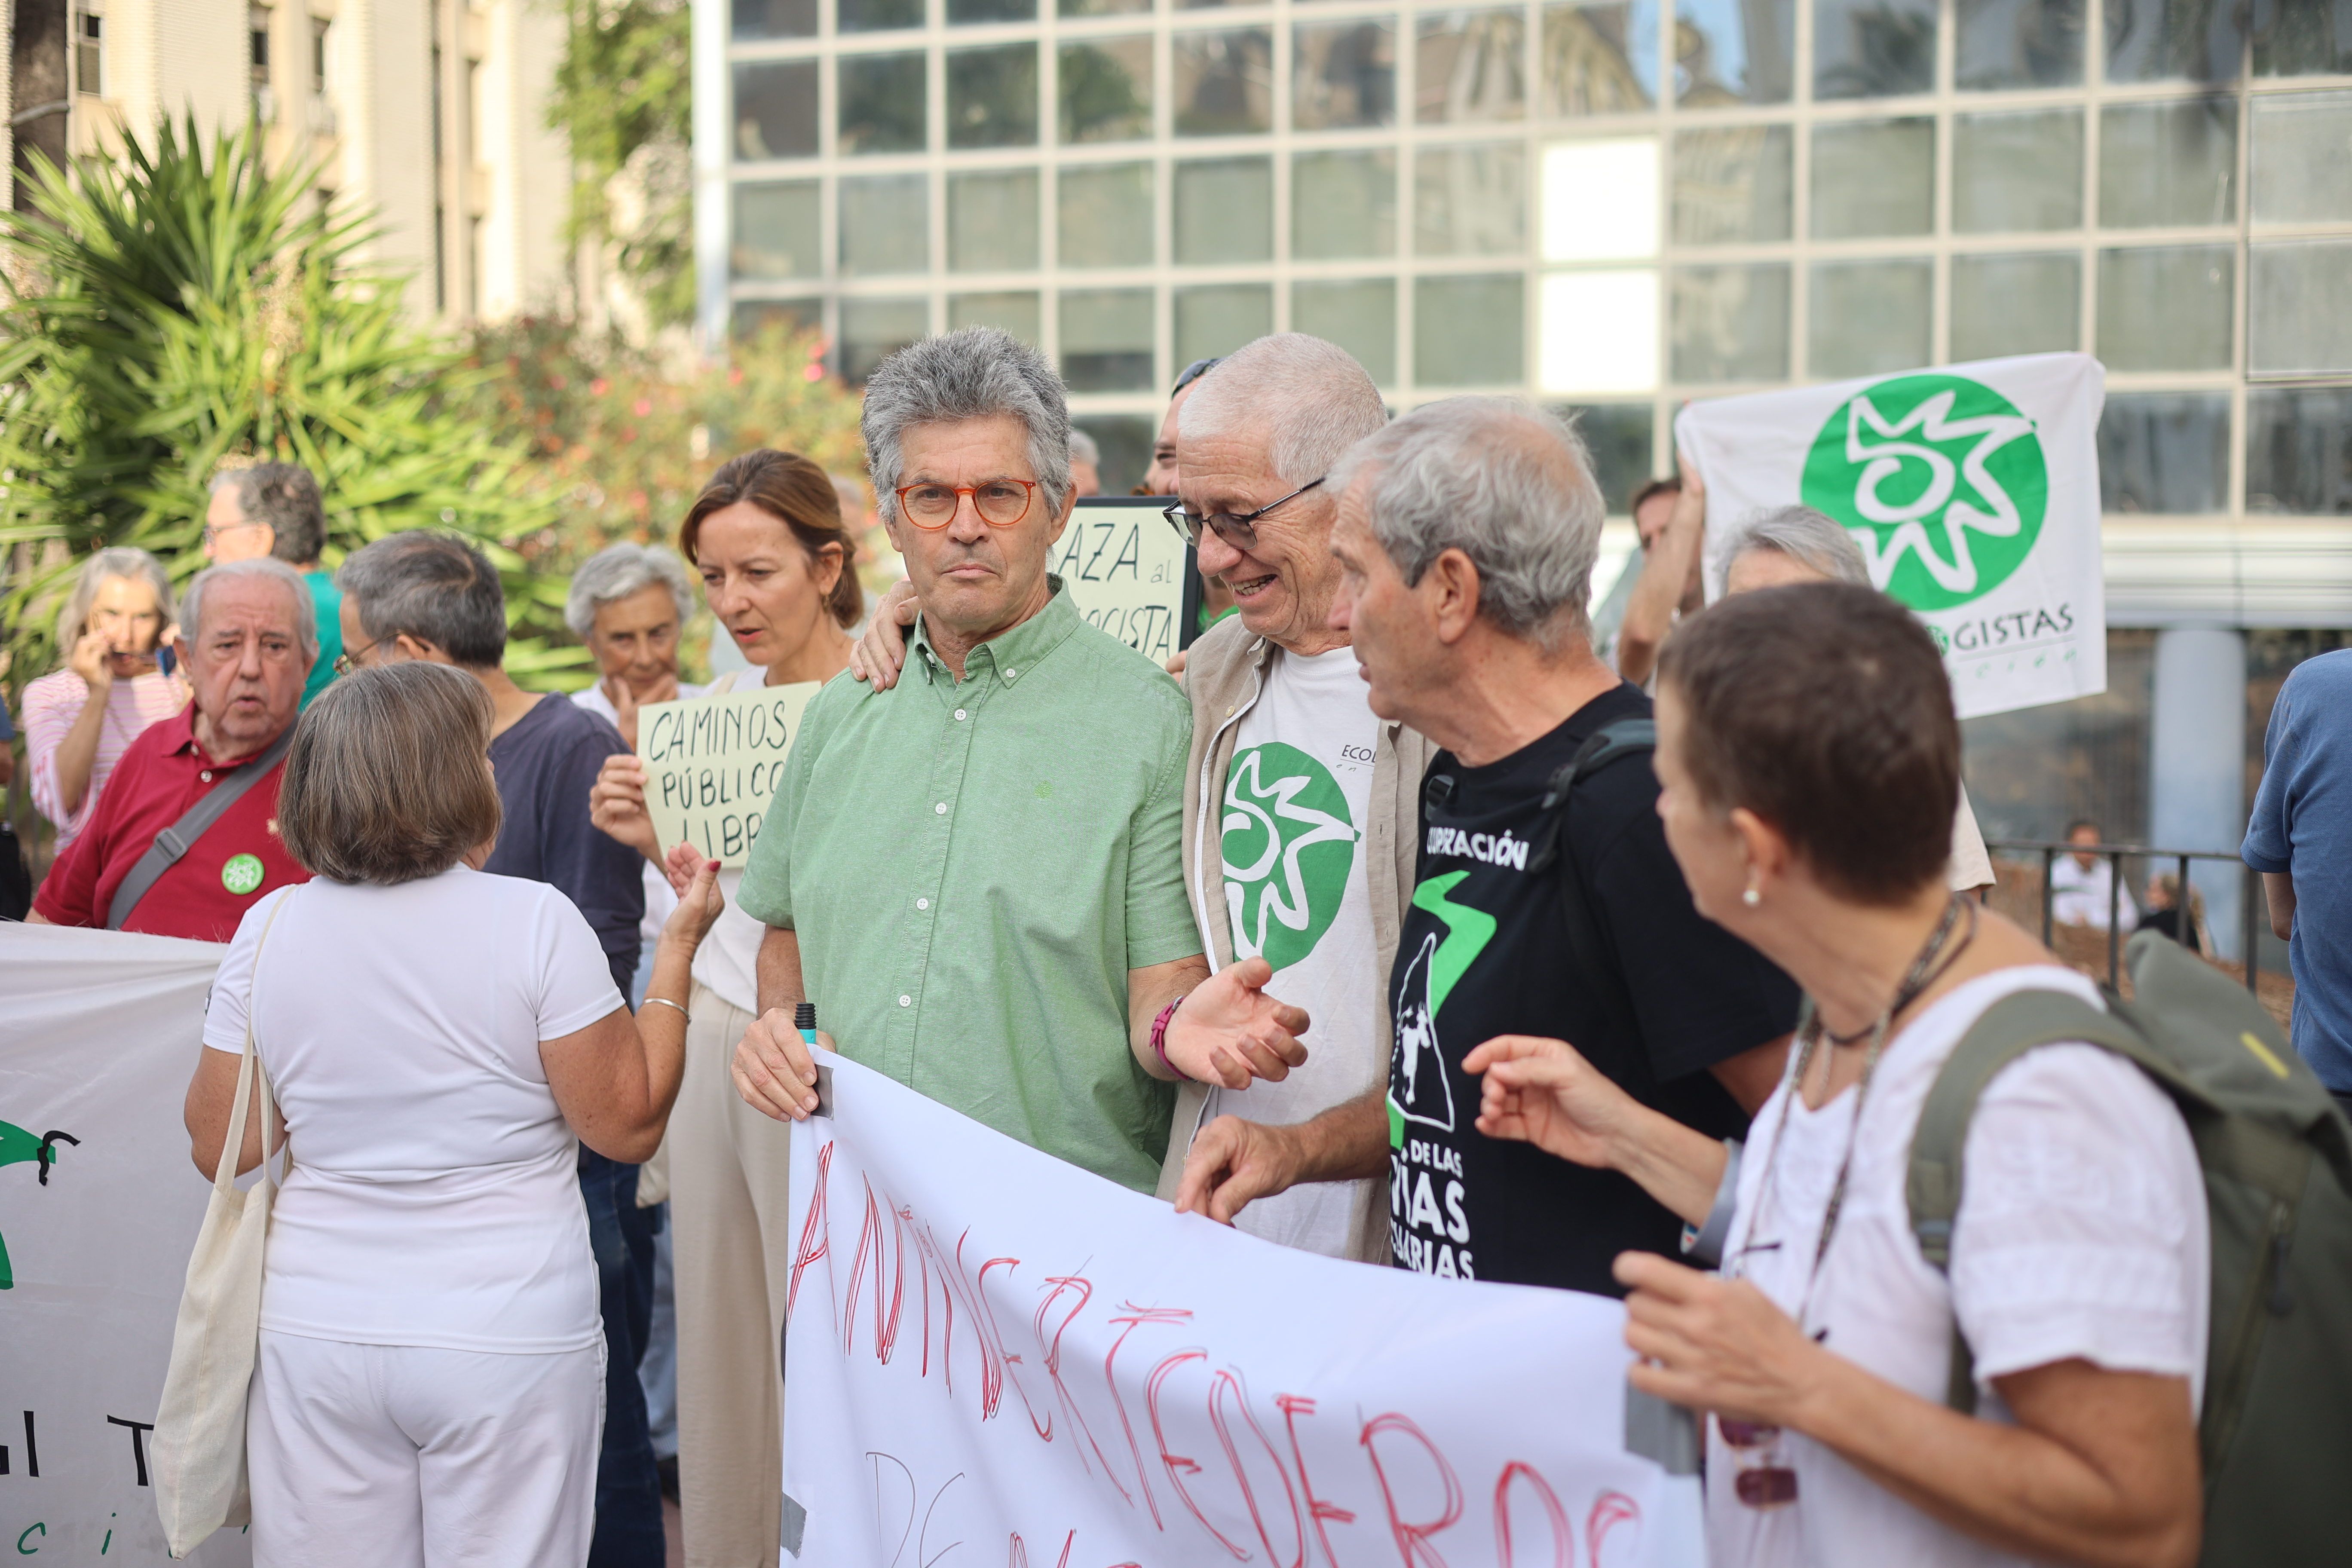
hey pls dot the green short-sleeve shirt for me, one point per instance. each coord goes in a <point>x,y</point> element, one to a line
<point>972,868</point>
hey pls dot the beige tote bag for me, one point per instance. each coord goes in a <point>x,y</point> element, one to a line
<point>199,1442</point>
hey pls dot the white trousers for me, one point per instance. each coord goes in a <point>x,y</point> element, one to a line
<point>399,1456</point>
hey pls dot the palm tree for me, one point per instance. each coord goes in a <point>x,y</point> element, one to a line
<point>186,307</point>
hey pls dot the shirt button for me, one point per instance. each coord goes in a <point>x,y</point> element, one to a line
<point>1011,674</point>
<point>941,809</point>
<point>206,775</point>
<point>922,903</point>
<point>959,715</point>
<point>906,1001</point>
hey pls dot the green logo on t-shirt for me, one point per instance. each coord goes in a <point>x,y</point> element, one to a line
<point>241,874</point>
<point>1418,1088</point>
<point>1289,843</point>
<point>1942,481</point>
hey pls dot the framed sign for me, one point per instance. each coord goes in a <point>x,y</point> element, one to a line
<point>711,764</point>
<point>1130,573</point>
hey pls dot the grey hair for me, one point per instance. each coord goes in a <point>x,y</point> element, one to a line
<point>974,372</point>
<point>122,561</point>
<point>286,497</point>
<point>1310,398</point>
<point>1083,449</point>
<point>387,780</point>
<point>1504,483</point>
<point>306,612</point>
<point>1810,538</point>
<point>618,571</point>
<point>434,587</point>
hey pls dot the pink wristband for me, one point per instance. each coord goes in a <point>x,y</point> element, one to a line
<point>1160,1041</point>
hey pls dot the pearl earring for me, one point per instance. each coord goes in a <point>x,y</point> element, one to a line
<point>1751,897</point>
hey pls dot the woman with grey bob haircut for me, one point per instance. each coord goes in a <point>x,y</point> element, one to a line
<point>1793,544</point>
<point>1504,483</point>
<point>430,1375</point>
<point>618,571</point>
<point>1788,544</point>
<point>976,372</point>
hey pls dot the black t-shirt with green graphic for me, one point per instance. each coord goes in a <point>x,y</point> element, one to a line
<point>1486,951</point>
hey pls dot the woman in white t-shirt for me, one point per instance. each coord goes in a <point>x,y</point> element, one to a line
<point>1810,763</point>
<point>439,1042</point>
<point>778,568</point>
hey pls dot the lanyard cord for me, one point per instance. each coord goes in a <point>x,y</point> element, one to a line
<point>1925,969</point>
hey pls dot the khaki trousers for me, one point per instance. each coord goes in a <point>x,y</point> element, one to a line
<point>730,1201</point>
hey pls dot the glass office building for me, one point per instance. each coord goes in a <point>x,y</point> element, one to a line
<point>1616,206</point>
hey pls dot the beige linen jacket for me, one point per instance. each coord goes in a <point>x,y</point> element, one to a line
<point>1224,674</point>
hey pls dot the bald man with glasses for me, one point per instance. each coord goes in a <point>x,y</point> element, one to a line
<point>1300,807</point>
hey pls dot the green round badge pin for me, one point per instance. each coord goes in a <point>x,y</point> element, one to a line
<point>1941,479</point>
<point>241,874</point>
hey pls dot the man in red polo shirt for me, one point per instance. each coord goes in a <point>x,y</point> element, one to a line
<point>250,638</point>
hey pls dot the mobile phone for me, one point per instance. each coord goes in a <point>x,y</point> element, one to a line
<point>165,659</point>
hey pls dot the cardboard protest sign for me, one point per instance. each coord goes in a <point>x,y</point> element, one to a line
<point>1129,572</point>
<point>99,1211</point>
<point>1973,490</point>
<point>711,763</point>
<point>989,1349</point>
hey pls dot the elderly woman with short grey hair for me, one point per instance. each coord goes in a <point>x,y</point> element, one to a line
<point>1787,545</point>
<point>439,1042</point>
<point>628,603</point>
<point>1797,545</point>
<point>79,719</point>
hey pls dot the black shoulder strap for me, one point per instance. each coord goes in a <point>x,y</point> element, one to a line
<point>1611,744</point>
<point>181,836</point>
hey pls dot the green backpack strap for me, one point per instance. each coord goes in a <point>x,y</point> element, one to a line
<point>2011,1026</point>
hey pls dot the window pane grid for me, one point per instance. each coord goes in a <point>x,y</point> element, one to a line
<point>2093,174</point>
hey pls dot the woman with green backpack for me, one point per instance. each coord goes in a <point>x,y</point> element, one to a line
<point>1810,765</point>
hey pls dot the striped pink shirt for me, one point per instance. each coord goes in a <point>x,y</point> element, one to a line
<point>52,704</point>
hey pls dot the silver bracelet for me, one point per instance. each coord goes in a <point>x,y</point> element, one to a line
<point>1704,1244</point>
<point>666,1002</point>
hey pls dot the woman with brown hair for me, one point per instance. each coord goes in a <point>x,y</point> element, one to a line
<point>439,1042</point>
<point>778,567</point>
<point>1808,763</point>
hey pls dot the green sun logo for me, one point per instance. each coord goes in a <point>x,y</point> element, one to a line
<point>1289,843</point>
<point>1942,481</point>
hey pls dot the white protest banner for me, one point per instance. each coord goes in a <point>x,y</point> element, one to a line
<point>98,1210</point>
<point>1126,572</point>
<point>1973,490</point>
<point>711,763</point>
<point>991,1351</point>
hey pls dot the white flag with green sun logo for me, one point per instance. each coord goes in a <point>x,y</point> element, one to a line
<point>1973,490</point>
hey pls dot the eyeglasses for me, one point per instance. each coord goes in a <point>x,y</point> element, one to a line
<point>213,534</point>
<point>1001,503</point>
<point>348,660</point>
<point>1241,532</point>
<point>1192,373</point>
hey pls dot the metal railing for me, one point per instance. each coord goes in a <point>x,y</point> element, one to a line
<point>2251,901</point>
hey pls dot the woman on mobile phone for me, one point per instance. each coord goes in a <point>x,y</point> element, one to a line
<point>119,679</point>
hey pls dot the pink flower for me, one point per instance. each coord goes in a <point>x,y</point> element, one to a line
<point>642,406</point>
<point>600,387</point>
<point>813,370</point>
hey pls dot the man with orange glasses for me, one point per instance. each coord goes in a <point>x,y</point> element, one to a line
<point>975,874</point>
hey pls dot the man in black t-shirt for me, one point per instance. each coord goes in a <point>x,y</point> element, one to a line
<point>1466,535</point>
